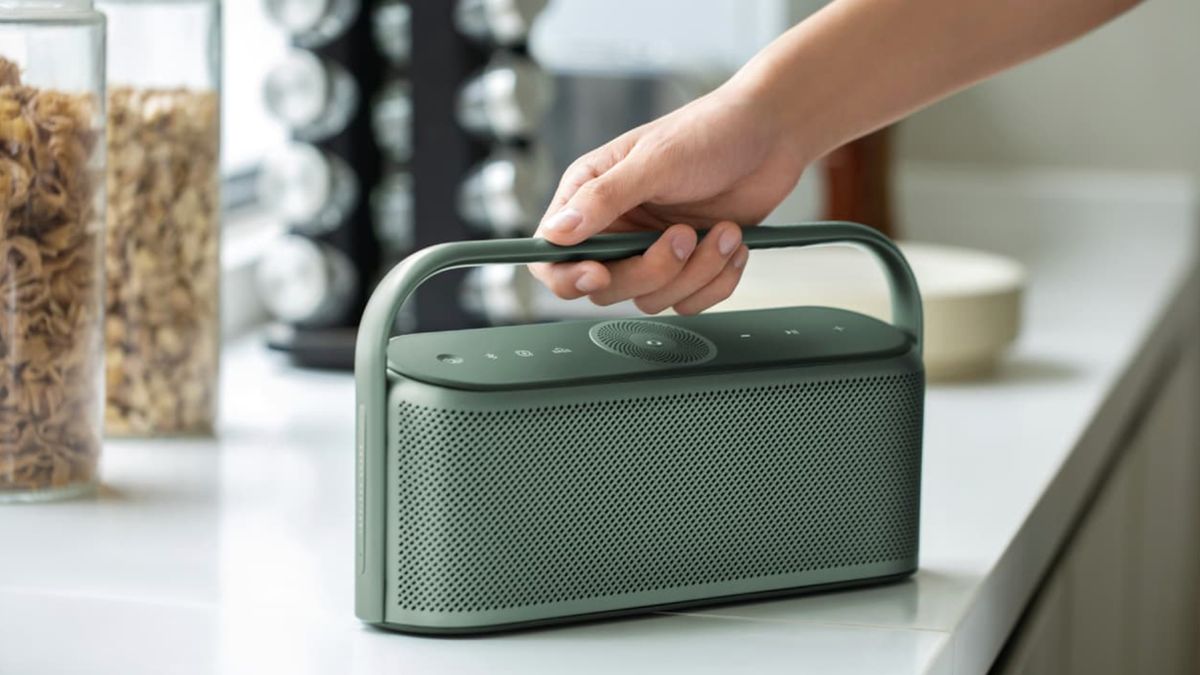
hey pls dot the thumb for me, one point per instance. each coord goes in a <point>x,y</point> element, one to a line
<point>599,202</point>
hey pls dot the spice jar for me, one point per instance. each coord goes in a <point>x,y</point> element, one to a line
<point>497,23</point>
<point>51,247</point>
<point>503,195</point>
<point>507,100</point>
<point>311,190</point>
<point>392,214</point>
<point>163,321</point>
<point>307,282</point>
<point>313,23</point>
<point>391,24</point>
<point>312,95</point>
<point>392,121</point>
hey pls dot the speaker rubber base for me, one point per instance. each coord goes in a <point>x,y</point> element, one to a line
<point>482,631</point>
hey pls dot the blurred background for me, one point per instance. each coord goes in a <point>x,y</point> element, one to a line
<point>1104,127</point>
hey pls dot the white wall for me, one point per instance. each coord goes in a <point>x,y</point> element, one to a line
<point>1126,97</point>
<point>715,36</point>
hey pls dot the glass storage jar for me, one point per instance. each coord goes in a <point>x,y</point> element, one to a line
<point>51,247</point>
<point>162,325</point>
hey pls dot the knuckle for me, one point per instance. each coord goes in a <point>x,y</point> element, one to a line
<point>667,147</point>
<point>584,165</point>
<point>563,289</point>
<point>662,268</point>
<point>723,290</point>
<point>661,275</point>
<point>598,189</point>
<point>726,287</point>
<point>576,168</point>
<point>647,306</point>
<point>603,300</point>
<point>721,296</point>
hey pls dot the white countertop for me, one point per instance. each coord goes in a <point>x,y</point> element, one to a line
<point>235,555</point>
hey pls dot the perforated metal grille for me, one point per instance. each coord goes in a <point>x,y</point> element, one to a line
<point>652,341</point>
<point>517,508</point>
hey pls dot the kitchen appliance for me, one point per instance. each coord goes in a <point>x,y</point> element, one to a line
<point>520,476</point>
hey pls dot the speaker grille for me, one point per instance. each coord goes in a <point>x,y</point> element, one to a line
<point>517,508</point>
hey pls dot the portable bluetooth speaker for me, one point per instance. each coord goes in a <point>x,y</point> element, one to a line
<point>520,476</point>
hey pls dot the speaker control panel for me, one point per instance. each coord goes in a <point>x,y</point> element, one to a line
<point>581,352</point>
<point>652,341</point>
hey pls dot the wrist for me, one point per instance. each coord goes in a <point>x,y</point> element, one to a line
<point>759,87</point>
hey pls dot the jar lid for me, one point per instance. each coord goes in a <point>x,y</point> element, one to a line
<point>296,183</point>
<point>298,16</point>
<point>297,89</point>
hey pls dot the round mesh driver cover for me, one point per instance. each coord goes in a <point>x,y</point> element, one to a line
<point>652,341</point>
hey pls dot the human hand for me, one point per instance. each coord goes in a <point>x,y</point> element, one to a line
<point>718,162</point>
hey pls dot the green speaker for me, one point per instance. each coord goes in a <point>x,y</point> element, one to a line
<point>520,476</point>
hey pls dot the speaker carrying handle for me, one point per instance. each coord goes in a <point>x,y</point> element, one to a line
<point>375,329</point>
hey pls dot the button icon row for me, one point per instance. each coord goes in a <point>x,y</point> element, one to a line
<point>790,331</point>
<point>455,359</point>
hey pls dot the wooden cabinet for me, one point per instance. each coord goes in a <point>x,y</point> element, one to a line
<point>1124,595</point>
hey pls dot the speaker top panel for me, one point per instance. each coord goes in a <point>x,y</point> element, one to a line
<point>582,352</point>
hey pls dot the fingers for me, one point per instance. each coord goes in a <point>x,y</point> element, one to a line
<point>581,171</point>
<point>592,196</point>
<point>589,166</point>
<point>646,273</point>
<point>719,288</point>
<point>675,272</point>
<point>572,280</point>
<point>710,259</point>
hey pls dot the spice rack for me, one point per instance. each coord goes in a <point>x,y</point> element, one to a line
<point>413,123</point>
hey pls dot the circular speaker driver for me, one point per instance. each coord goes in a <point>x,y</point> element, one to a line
<point>652,341</point>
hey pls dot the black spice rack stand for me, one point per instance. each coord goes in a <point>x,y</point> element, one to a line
<point>427,152</point>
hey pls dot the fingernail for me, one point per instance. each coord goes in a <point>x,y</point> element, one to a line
<point>588,282</point>
<point>739,261</point>
<point>729,241</point>
<point>682,245</point>
<point>563,221</point>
